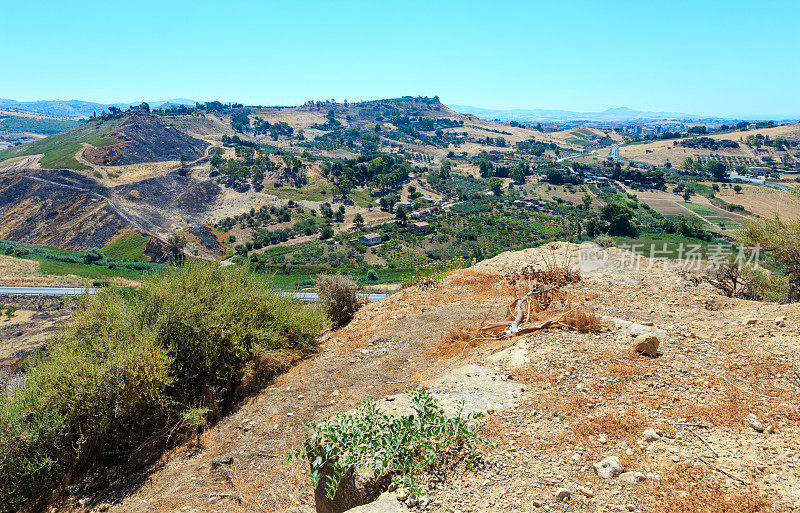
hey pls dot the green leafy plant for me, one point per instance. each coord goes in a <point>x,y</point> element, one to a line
<point>389,445</point>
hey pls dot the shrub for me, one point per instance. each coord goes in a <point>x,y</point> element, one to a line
<point>604,241</point>
<point>392,445</point>
<point>92,255</point>
<point>372,275</point>
<point>339,295</point>
<point>782,240</point>
<point>124,372</point>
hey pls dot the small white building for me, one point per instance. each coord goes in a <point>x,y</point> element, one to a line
<point>370,239</point>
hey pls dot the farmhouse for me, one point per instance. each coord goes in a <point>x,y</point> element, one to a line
<point>421,227</point>
<point>370,239</point>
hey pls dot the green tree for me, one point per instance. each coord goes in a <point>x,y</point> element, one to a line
<point>737,188</point>
<point>358,219</point>
<point>587,201</point>
<point>686,197</point>
<point>175,245</point>
<point>496,186</point>
<point>717,170</point>
<point>402,216</point>
<point>485,167</point>
<point>619,218</point>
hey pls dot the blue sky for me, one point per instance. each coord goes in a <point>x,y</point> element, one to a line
<point>730,58</point>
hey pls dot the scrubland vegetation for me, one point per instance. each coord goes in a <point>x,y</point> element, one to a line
<point>135,372</point>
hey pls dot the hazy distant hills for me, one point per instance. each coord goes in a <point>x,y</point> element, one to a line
<point>78,108</point>
<point>548,115</point>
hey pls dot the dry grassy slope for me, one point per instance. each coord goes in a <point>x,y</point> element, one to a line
<point>559,402</point>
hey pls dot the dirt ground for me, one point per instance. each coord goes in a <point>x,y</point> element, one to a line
<point>557,401</point>
<point>764,201</point>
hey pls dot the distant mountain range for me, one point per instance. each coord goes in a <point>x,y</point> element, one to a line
<point>79,108</point>
<point>546,115</point>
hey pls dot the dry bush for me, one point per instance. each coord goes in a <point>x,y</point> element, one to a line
<point>617,425</point>
<point>729,410</point>
<point>339,295</point>
<point>457,343</point>
<point>693,488</point>
<point>583,321</point>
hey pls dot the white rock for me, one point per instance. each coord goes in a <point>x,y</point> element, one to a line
<point>632,477</point>
<point>609,468</point>
<point>585,490</point>
<point>781,320</point>
<point>754,422</point>
<point>750,321</point>
<point>650,435</point>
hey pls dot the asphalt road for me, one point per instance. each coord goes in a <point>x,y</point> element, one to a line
<point>74,291</point>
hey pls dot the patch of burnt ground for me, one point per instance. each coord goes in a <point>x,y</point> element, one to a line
<point>145,138</point>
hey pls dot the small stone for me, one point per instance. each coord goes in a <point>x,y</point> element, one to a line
<point>402,494</point>
<point>646,344</point>
<point>754,422</point>
<point>563,494</point>
<point>300,397</point>
<point>769,429</point>
<point>750,321</point>
<point>536,503</point>
<point>335,392</point>
<point>675,458</point>
<point>647,323</point>
<point>412,501</point>
<point>392,487</point>
<point>585,490</point>
<point>632,477</point>
<point>608,468</point>
<point>221,461</point>
<point>631,507</point>
<point>781,320</point>
<point>602,438</point>
<point>650,435</point>
<point>104,507</point>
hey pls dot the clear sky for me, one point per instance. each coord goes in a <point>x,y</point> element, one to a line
<point>733,58</point>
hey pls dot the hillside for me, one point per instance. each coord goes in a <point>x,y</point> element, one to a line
<point>142,138</point>
<point>676,150</point>
<point>557,401</point>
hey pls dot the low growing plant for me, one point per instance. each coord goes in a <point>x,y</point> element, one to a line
<point>389,445</point>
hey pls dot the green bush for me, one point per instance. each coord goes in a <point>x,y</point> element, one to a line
<point>131,366</point>
<point>392,445</point>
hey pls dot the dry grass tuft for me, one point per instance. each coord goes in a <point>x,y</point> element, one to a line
<point>692,488</point>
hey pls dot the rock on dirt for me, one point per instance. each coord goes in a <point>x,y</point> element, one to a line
<point>609,467</point>
<point>646,344</point>
<point>632,477</point>
<point>754,422</point>
<point>386,503</point>
<point>650,435</point>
